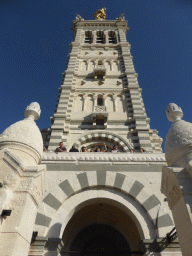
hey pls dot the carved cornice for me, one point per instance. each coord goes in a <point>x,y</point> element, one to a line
<point>100,23</point>
<point>103,157</point>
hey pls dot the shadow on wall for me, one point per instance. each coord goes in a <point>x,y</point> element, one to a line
<point>55,230</point>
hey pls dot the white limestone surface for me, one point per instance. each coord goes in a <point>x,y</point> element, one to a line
<point>24,138</point>
<point>178,144</point>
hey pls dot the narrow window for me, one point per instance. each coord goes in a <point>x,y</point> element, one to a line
<point>100,37</point>
<point>88,37</point>
<point>99,102</point>
<point>112,37</point>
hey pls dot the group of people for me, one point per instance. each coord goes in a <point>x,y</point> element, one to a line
<point>61,148</point>
<point>98,149</point>
<point>115,149</point>
<point>141,150</point>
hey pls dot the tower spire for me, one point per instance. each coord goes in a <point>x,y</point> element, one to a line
<point>100,100</point>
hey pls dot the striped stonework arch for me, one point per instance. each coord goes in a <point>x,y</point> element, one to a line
<point>108,136</point>
<point>81,183</point>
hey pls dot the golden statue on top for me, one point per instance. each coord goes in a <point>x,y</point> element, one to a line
<point>100,14</point>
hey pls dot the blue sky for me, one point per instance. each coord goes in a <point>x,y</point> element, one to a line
<point>34,44</point>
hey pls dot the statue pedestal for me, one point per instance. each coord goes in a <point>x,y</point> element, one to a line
<point>177,187</point>
<point>21,190</point>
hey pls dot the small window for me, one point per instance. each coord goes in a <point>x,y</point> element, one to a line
<point>100,63</point>
<point>99,102</point>
<point>100,37</point>
<point>112,37</point>
<point>88,37</point>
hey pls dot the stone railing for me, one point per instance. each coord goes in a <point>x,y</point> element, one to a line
<point>99,109</point>
<point>105,157</point>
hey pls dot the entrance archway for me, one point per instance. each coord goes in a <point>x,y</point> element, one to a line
<point>101,229</point>
<point>99,239</point>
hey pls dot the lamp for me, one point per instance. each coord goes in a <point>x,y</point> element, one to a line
<point>6,213</point>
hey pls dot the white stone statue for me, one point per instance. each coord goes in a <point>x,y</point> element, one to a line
<point>100,14</point>
<point>178,144</point>
<point>121,17</point>
<point>78,17</point>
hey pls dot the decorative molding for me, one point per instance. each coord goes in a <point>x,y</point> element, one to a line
<point>106,157</point>
<point>28,179</point>
<point>104,179</point>
<point>99,108</point>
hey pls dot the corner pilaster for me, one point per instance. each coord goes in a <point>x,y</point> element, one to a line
<point>21,191</point>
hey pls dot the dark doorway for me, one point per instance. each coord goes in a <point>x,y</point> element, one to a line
<point>99,239</point>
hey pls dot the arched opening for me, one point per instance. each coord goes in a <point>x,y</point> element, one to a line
<point>100,37</point>
<point>99,101</point>
<point>99,239</point>
<point>88,37</point>
<point>98,139</point>
<point>112,37</point>
<point>94,143</point>
<point>101,229</point>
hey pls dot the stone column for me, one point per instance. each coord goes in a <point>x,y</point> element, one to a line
<point>114,103</point>
<point>84,102</point>
<point>94,33</point>
<point>104,100</point>
<point>116,35</point>
<point>123,102</point>
<point>106,36</point>
<point>94,101</point>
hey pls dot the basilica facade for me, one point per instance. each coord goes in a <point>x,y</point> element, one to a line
<point>106,198</point>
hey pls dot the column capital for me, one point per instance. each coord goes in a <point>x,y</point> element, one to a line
<point>85,96</point>
<point>114,96</point>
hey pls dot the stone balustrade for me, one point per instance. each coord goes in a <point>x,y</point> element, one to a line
<point>105,157</point>
<point>99,108</point>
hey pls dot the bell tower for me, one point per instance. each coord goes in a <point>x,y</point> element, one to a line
<point>100,99</point>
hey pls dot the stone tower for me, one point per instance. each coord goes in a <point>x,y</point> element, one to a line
<point>100,98</point>
<point>102,202</point>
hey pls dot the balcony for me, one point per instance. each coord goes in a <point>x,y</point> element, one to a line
<point>99,72</point>
<point>99,117</point>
